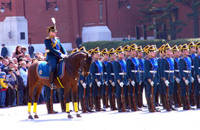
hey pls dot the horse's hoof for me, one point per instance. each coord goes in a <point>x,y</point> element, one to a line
<point>36,116</point>
<point>30,117</point>
<point>70,116</point>
<point>78,115</point>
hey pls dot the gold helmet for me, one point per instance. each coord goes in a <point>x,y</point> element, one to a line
<point>119,50</point>
<point>90,51</point>
<point>74,50</point>
<point>104,51</point>
<point>111,51</point>
<point>83,49</point>
<point>191,44</point>
<point>139,49</point>
<point>146,49</point>
<point>152,48</point>
<point>175,48</point>
<point>126,48</point>
<point>96,50</point>
<point>51,29</point>
<point>198,45</point>
<point>184,47</point>
<point>133,47</point>
<point>167,47</point>
<point>161,49</point>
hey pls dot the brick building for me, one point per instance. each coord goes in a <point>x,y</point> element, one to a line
<point>23,21</point>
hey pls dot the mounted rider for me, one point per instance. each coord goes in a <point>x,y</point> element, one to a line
<point>54,50</point>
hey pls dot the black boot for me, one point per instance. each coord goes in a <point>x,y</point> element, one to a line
<point>119,105</point>
<point>197,101</point>
<point>51,79</point>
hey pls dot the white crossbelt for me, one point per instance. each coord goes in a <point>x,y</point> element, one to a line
<point>169,71</point>
<point>176,70</point>
<point>153,71</point>
<point>134,71</point>
<point>186,71</point>
<point>98,73</point>
<point>122,73</point>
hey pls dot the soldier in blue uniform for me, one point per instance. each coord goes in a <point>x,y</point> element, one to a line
<point>133,77</point>
<point>111,79</point>
<point>120,79</point>
<point>185,68</point>
<point>54,51</point>
<point>177,96</point>
<point>168,77</point>
<point>161,85</point>
<point>82,87</point>
<point>151,77</point>
<point>192,51</point>
<point>197,75</point>
<point>96,71</point>
<point>104,90</point>
<point>141,73</point>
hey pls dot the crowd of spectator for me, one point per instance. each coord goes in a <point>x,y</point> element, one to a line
<point>14,72</point>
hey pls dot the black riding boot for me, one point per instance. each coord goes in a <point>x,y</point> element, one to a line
<point>51,79</point>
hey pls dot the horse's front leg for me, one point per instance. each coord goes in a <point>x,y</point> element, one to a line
<point>67,100</point>
<point>75,100</point>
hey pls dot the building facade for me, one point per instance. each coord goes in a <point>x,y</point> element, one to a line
<point>26,21</point>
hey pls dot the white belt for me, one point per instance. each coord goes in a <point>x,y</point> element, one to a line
<point>140,71</point>
<point>186,71</point>
<point>169,71</point>
<point>97,73</point>
<point>122,73</point>
<point>176,70</point>
<point>134,71</point>
<point>112,74</point>
<point>153,71</point>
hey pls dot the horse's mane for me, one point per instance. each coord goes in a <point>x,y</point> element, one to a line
<point>71,69</point>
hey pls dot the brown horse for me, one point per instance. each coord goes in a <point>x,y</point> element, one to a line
<point>74,63</point>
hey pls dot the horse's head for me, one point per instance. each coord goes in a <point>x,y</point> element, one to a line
<point>79,61</point>
<point>85,64</point>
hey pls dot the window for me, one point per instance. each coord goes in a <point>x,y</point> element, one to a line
<point>22,36</point>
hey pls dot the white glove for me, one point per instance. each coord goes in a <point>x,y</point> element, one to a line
<point>199,80</point>
<point>113,84</point>
<point>177,80</point>
<point>62,55</point>
<point>140,83</point>
<point>167,83</point>
<point>133,83</point>
<point>90,85</point>
<point>186,82</point>
<point>106,83</point>
<point>192,79</point>
<point>84,85</point>
<point>121,84</point>
<point>98,83</point>
<point>152,83</point>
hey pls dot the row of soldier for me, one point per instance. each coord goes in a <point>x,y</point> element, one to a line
<point>169,76</point>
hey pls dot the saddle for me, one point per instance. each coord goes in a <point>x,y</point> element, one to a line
<point>43,69</point>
